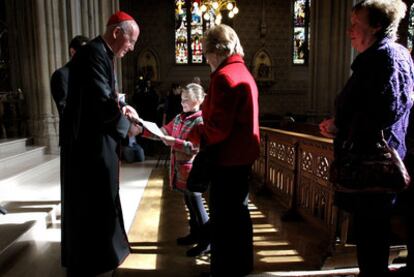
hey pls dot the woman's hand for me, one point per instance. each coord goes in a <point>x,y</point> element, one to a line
<point>168,140</point>
<point>327,128</point>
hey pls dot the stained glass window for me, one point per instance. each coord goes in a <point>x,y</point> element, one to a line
<point>301,31</point>
<point>410,39</point>
<point>190,26</point>
<point>196,33</point>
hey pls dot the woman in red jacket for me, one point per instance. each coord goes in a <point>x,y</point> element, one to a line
<point>231,128</point>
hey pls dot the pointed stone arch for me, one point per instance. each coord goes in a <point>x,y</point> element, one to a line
<point>148,66</point>
<point>262,66</point>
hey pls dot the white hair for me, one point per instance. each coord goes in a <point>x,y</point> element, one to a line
<point>385,13</point>
<point>223,41</point>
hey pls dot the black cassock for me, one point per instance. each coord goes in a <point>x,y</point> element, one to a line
<point>93,235</point>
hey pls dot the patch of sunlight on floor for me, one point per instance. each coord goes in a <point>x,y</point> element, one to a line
<point>285,259</point>
<point>334,272</point>
<point>252,207</point>
<point>140,261</point>
<point>255,216</point>
<point>264,230</point>
<point>270,243</point>
<point>287,252</point>
<point>148,219</point>
<point>263,238</point>
<point>263,226</point>
<point>144,247</point>
<point>256,213</point>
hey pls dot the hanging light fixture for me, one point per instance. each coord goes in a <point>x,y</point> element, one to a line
<point>211,9</point>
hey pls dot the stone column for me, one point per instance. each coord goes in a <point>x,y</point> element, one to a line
<point>331,54</point>
<point>40,31</point>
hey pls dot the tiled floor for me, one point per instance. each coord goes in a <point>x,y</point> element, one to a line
<point>29,196</point>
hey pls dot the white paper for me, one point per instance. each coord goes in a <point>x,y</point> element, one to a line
<point>152,127</point>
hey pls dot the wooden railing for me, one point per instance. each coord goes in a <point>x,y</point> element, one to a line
<point>295,167</point>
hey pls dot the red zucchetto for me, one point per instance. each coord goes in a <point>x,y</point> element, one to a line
<point>119,17</point>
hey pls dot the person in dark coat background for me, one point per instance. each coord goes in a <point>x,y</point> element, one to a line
<point>94,121</point>
<point>59,89</point>
<point>59,79</point>
<point>378,96</point>
<point>231,132</point>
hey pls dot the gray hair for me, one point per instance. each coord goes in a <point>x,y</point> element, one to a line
<point>384,13</point>
<point>223,41</point>
<point>195,91</point>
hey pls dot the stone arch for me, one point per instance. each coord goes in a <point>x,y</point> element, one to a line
<point>148,66</point>
<point>262,66</point>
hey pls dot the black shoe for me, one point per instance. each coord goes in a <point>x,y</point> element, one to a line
<point>187,240</point>
<point>199,249</point>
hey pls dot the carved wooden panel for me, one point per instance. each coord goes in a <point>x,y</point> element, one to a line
<point>322,167</point>
<point>296,167</point>
<point>281,148</point>
<point>280,181</point>
<point>315,192</point>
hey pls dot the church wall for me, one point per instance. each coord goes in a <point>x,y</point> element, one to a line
<point>40,30</point>
<point>262,24</point>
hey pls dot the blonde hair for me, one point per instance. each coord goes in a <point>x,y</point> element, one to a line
<point>195,91</point>
<point>223,41</point>
<point>384,13</point>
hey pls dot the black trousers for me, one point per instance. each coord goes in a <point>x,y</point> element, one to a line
<point>405,211</point>
<point>231,226</point>
<point>198,213</point>
<point>372,227</point>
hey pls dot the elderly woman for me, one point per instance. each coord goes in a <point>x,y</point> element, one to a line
<point>378,96</point>
<point>231,129</point>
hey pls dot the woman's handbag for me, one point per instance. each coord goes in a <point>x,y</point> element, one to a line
<point>200,175</point>
<point>381,171</point>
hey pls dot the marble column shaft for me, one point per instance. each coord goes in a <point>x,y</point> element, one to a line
<point>331,53</point>
<point>39,35</point>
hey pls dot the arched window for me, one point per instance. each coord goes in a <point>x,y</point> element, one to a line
<point>189,29</point>
<point>301,31</point>
<point>410,39</point>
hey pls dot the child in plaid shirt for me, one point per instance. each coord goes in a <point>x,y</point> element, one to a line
<point>182,134</point>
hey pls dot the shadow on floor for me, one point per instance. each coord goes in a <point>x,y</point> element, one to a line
<point>161,218</point>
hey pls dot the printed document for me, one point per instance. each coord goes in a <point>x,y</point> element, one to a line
<point>152,127</point>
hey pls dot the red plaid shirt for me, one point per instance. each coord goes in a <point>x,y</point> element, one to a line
<point>186,131</point>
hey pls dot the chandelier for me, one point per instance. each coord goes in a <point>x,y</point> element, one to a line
<point>212,9</point>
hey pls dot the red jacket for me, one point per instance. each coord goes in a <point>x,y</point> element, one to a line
<point>231,113</point>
